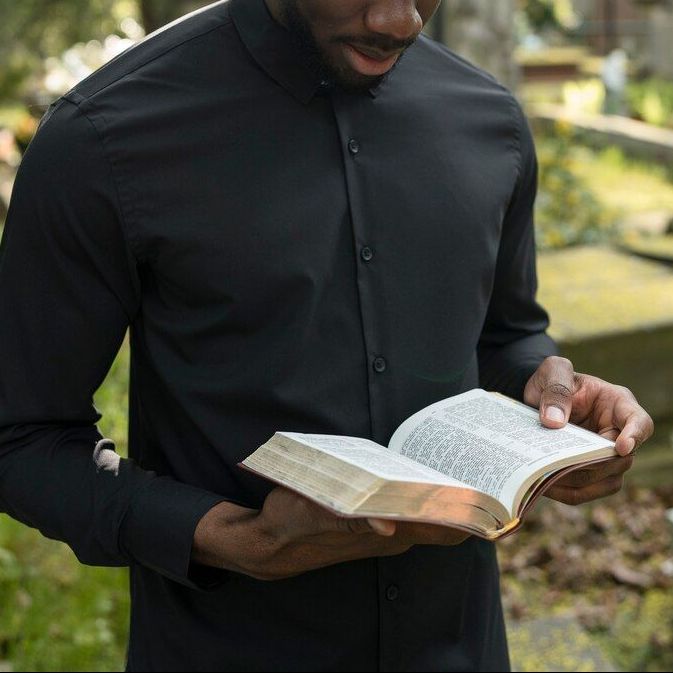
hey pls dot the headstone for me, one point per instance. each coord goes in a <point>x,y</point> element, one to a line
<point>613,74</point>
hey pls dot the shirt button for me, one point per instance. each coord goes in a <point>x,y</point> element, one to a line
<point>353,146</point>
<point>380,365</point>
<point>366,253</point>
<point>392,592</point>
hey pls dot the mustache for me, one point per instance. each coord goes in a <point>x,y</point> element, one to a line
<point>380,43</point>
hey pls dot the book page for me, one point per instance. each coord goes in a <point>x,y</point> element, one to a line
<point>488,441</point>
<point>374,458</point>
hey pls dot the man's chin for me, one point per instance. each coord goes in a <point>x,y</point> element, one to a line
<point>350,80</point>
<point>358,83</point>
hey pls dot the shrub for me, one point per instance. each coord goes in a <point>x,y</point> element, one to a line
<point>652,101</point>
<point>567,212</point>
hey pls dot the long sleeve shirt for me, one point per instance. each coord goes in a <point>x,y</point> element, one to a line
<point>287,256</point>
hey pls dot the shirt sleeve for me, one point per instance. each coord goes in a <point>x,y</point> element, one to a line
<point>514,342</point>
<point>68,290</point>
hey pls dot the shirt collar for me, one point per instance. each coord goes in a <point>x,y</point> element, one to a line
<point>273,49</point>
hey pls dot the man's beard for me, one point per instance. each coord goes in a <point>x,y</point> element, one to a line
<point>315,58</point>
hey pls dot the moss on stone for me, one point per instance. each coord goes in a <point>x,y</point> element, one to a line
<point>555,644</point>
<point>594,291</point>
<point>654,247</point>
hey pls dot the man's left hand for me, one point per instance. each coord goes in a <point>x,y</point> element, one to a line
<point>612,411</point>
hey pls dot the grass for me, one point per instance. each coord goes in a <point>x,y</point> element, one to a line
<point>626,185</point>
<point>56,614</point>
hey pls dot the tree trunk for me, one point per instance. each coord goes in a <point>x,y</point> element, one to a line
<point>482,31</point>
<point>157,13</point>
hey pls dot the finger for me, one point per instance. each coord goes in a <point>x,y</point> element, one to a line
<point>593,474</point>
<point>298,516</point>
<point>610,433</point>
<point>313,519</point>
<point>384,527</point>
<point>638,428</point>
<point>580,496</point>
<point>419,533</point>
<point>557,388</point>
<point>359,526</point>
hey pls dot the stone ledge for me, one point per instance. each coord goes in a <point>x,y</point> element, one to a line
<point>640,360</point>
<point>596,291</point>
<point>612,315</point>
<point>634,137</point>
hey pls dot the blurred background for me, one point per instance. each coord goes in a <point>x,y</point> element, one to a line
<point>586,588</point>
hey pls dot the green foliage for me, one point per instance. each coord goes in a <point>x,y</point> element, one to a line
<point>652,101</point>
<point>629,185</point>
<point>112,401</point>
<point>567,212</point>
<point>589,196</point>
<point>156,13</point>
<point>56,614</point>
<point>32,30</point>
<point>540,14</point>
<point>557,15</point>
<point>641,638</point>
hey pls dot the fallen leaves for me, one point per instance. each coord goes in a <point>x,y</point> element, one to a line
<point>609,564</point>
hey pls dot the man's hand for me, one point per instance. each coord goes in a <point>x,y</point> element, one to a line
<point>563,395</point>
<point>291,535</point>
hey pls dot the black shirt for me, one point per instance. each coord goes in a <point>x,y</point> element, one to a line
<point>288,257</point>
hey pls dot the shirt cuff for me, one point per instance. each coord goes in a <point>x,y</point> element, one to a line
<point>512,364</point>
<point>158,531</point>
<point>518,380</point>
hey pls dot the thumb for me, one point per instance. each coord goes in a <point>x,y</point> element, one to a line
<point>556,385</point>
<point>384,527</point>
<point>379,526</point>
<point>556,405</point>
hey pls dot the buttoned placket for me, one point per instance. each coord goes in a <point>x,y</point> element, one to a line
<point>354,149</point>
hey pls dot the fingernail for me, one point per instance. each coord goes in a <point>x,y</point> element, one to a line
<point>382,526</point>
<point>554,414</point>
<point>630,445</point>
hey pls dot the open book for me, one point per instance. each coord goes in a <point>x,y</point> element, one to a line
<point>475,462</point>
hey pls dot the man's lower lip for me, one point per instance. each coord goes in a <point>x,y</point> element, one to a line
<point>366,65</point>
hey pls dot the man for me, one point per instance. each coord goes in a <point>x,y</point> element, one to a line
<point>312,219</point>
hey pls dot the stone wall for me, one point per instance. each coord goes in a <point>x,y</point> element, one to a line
<point>636,138</point>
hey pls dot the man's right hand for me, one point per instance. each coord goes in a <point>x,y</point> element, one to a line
<point>292,535</point>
